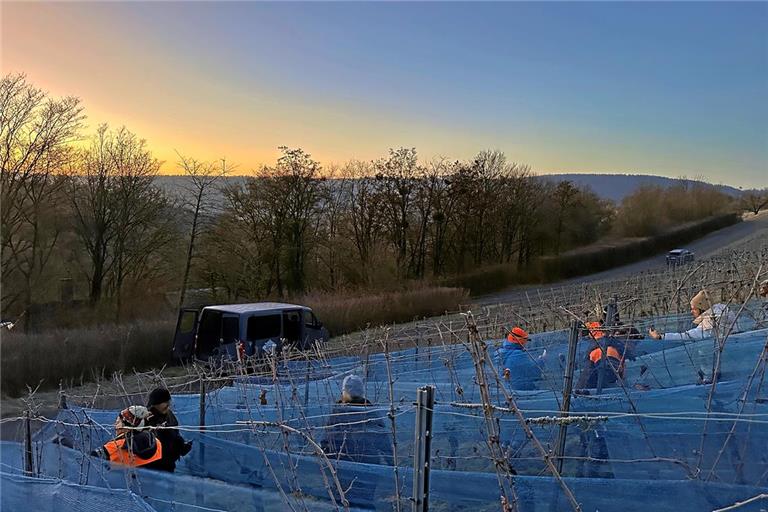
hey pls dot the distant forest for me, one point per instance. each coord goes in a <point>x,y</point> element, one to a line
<point>91,222</point>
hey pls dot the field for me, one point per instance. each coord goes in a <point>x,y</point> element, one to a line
<point>678,420</point>
<point>92,353</point>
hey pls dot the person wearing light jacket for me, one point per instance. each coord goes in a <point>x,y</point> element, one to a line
<point>710,320</point>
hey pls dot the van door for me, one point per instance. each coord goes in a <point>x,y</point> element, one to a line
<point>292,327</point>
<point>184,337</point>
<point>208,334</point>
<point>313,330</point>
<point>230,335</point>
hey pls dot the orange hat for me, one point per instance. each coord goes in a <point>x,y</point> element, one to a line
<point>518,335</point>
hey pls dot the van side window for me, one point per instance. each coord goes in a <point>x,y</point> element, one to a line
<point>187,323</point>
<point>263,327</point>
<point>309,319</point>
<point>230,331</point>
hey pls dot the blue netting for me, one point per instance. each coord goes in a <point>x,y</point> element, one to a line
<point>664,434</point>
<point>18,492</point>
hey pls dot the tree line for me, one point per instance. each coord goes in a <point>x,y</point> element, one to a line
<point>87,210</point>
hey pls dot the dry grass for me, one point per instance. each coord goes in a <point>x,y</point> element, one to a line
<point>492,279</point>
<point>80,355</point>
<point>344,314</point>
<point>75,355</point>
<point>49,357</point>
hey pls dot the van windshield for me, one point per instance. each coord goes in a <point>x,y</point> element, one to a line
<point>264,327</point>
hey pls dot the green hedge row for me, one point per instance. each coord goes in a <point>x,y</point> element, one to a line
<point>586,260</point>
<point>582,262</point>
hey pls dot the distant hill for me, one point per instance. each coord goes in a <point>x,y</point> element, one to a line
<point>618,186</point>
<point>609,186</point>
<point>178,185</point>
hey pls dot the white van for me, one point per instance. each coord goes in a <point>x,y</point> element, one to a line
<point>218,331</point>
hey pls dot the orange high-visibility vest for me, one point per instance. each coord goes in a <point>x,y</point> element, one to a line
<point>594,330</point>
<point>119,453</point>
<point>597,354</point>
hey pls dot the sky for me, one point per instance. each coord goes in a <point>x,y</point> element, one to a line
<point>675,89</point>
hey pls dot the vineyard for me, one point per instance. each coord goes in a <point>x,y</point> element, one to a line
<point>688,419</point>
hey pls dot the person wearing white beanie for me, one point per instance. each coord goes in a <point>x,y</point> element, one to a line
<point>134,445</point>
<point>353,391</point>
<point>356,432</point>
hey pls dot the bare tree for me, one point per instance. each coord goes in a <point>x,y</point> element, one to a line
<point>280,205</point>
<point>231,253</point>
<point>94,217</point>
<point>35,133</point>
<point>298,175</point>
<point>513,204</point>
<point>754,200</point>
<point>333,204</point>
<point>260,206</point>
<point>116,206</point>
<point>442,215</point>
<point>488,169</point>
<point>365,214</point>
<point>398,175</point>
<point>141,226</point>
<point>529,202</point>
<point>425,201</point>
<point>203,177</point>
<point>462,194</point>
<point>566,197</point>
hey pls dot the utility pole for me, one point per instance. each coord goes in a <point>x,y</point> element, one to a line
<point>202,419</point>
<point>425,403</point>
<point>609,322</point>
<point>29,468</point>
<point>573,339</point>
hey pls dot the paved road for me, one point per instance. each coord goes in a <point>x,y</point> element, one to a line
<point>703,247</point>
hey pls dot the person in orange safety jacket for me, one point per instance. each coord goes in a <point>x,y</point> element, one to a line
<point>614,367</point>
<point>133,445</point>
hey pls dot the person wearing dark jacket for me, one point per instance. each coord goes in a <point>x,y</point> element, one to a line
<point>162,418</point>
<point>356,432</point>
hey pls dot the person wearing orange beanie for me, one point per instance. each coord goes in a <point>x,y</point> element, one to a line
<point>520,369</point>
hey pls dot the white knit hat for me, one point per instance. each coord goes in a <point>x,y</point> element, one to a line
<point>134,416</point>
<point>353,386</point>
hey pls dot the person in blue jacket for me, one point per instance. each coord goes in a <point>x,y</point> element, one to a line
<point>519,368</point>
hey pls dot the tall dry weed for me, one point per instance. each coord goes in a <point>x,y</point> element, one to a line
<point>48,357</point>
